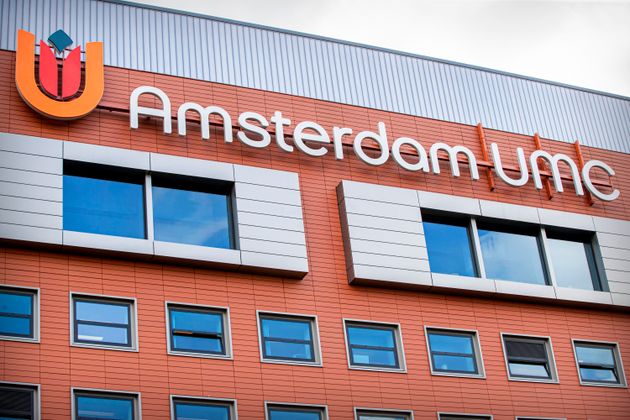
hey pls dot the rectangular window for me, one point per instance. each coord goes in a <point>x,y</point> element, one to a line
<point>198,330</point>
<point>18,402</point>
<point>105,405</point>
<point>202,409</point>
<point>297,412</point>
<point>374,345</point>
<point>449,245</point>
<point>103,321</point>
<point>103,200</point>
<point>529,358</point>
<point>289,338</point>
<point>18,313</point>
<point>599,363</point>
<point>454,352</point>
<point>445,416</point>
<point>573,260</point>
<point>382,415</point>
<point>192,211</point>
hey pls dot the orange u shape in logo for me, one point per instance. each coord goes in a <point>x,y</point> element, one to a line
<point>39,101</point>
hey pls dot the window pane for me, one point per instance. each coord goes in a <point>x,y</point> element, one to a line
<point>595,355</point>
<point>110,408</point>
<point>285,328</point>
<point>191,217</point>
<point>102,312</point>
<point>454,363</point>
<point>527,370</point>
<point>450,343</point>
<point>201,411</point>
<point>102,334</point>
<point>16,403</point>
<point>288,414</point>
<point>382,417</point>
<point>103,206</point>
<point>511,256</point>
<point>15,326</point>
<point>16,303</point>
<point>449,249</point>
<point>367,336</point>
<point>598,375</point>
<point>200,344</point>
<point>284,350</point>
<point>190,320</point>
<point>572,263</point>
<point>374,357</point>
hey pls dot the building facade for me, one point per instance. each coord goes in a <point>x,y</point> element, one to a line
<point>205,219</point>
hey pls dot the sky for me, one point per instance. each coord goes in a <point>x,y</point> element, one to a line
<point>581,43</point>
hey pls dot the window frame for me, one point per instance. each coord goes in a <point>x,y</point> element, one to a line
<point>35,317</point>
<point>538,418</point>
<point>227,330</point>
<point>400,349</point>
<point>134,396</point>
<point>551,360</point>
<point>444,413</point>
<point>35,388</point>
<point>313,407</point>
<point>623,383</point>
<point>358,411</point>
<point>231,402</point>
<point>133,321</point>
<point>478,355</point>
<point>316,345</point>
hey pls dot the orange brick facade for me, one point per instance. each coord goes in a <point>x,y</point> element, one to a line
<point>324,292</point>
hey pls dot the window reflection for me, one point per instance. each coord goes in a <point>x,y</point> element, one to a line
<point>189,410</point>
<point>286,413</point>
<point>197,330</point>
<point>452,352</point>
<point>102,322</point>
<point>573,263</point>
<point>372,345</point>
<point>449,245</point>
<point>98,407</point>
<point>287,338</point>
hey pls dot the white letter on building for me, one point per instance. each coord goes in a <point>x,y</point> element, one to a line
<point>338,134</point>
<point>320,136</point>
<point>452,157</point>
<point>586,177</point>
<point>422,164</point>
<point>280,123</point>
<point>522,164</point>
<point>380,138</point>
<point>204,120</point>
<point>247,126</point>
<point>135,109</point>
<point>555,171</point>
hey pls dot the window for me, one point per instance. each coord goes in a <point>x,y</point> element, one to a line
<point>104,322</point>
<point>289,338</point>
<point>18,402</point>
<point>105,405</point>
<point>446,416</point>
<point>511,253</point>
<point>573,261</point>
<point>382,415</point>
<point>454,352</point>
<point>198,330</point>
<point>529,358</point>
<point>449,245</point>
<point>200,214</point>
<point>103,200</point>
<point>295,412</point>
<point>185,408</point>
<point>599,363</point>
<point>374,345</point>
<point>18,313</point>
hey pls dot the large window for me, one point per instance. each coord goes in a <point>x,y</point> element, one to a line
<point>573,261</point>
<point>374,345</point>
<point>18,402</point>
<point>295,412</point>
<point>185,408</point>
<point>382,415</point>
<point>104,405</point>
<point>449,245</point>
<point>529,358</point>
<point>18,315</point>
<point>454,352</point>
<point>101,321</point>
<point>198,330</point>
<point>599,363</point>
<point>289,338</point>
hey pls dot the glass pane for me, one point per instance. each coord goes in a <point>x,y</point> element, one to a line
<point>595,355</point>
<point>283,414</point>
<point>102,312</point>
<point>196,321</point>
<point>528,370</point>
<point>454,363</point>
<point>191,217</point>
<point>450,343</point>
<point>366,336</point>
<point>191,411</point>
<point>571,263</point>
<point>598,375</point>
<point>382,417</point>
<point>16,403</point>
<point>276,349</point>
<point>206,345</point>
<point>103,206</point>
<point>104,408</point>
<point>286,328</point>
<point>449,249</point>
<point>16,303</point>
<point>374,357</point>
<point>101,334</point>
<point>511,256</point>
<point>15,326</point>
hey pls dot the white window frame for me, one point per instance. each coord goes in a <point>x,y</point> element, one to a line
<point>555,379</point>
<point>444,413</point>
<point>137,402</point>
<point>400,350</point>
<point>476,347</point>
<point>623,383</point>
<point>133,323</point>
<point>318,362</point>
<point>227,330</point>
<point>205,400</point>
<point>37,405</point>
<point>322,407</point>
<point>383,411</point>
<point>36,313</point>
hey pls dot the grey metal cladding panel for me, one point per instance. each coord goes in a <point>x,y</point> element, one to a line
<point>613,237</point>
<point>229,52</point>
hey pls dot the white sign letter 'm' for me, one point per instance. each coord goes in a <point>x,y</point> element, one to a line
<point>135,109</point>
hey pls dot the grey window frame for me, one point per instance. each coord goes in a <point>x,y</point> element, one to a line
<point>359,411</point>
<point>35,315</point>
<point>398,350</point>
<point>35,389</point>
<point>230,402</point>
<point>322,408</point>
<point>464,416</point>
<point>477,353</point>
<point>135,397</point>
<point>618,363</point>
<point>550,359</point>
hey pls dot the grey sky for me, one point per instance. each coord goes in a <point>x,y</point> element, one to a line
<point>582,43</point>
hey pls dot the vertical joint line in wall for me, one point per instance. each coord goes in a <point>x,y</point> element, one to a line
<point>485,155</point>
<point>580,158</point>
<point>545,178</point>
<point>148,198</point>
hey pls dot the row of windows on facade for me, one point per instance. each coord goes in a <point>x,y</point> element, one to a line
<point>195,330</point>
<point>107,201</point>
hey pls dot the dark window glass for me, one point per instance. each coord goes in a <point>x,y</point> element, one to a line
<point>372,345</point>
<point>98,199</point>
<point>511,255</point>
<point>192,212</point>
<point>528,358</point>
<point>449,246</point>
<point>573,263</point>
<point>381,415</point>
<point>201,410</point>
<point>101,406</point>
<point>102,322</point>
<point>16,313</point>
<point>197,330</point>
<point>17,402</point>
<point>295,413</point>
<point>597,363</point>
<point>461,417</point>
<point>452,352</point>
<point>287,338</point>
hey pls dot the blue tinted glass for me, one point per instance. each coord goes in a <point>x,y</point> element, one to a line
<point>191,217</point>
<point>511,256</point>
<point>10,325</point>
<point>571,263</point>
<point>525,369</point>
<point>102,334</point>
<point>450,343</point>
<point>595,355</point>
<point>16,303</point>
<point>284,350</point>
<point>104,408</point>
<point>366,336</point>
<point>103,207</point>
<point>598,375</point>
<point>454,363</point>
<point>285,328</point>
<point>449,249</point>
<point>374,357</point>
<point>281,414</point>
<point>206,345</point>
<point>196,321</point>
<point>191,411</point>
<point>102,312</point>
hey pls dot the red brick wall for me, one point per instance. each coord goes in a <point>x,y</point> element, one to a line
<point>324,291</point>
